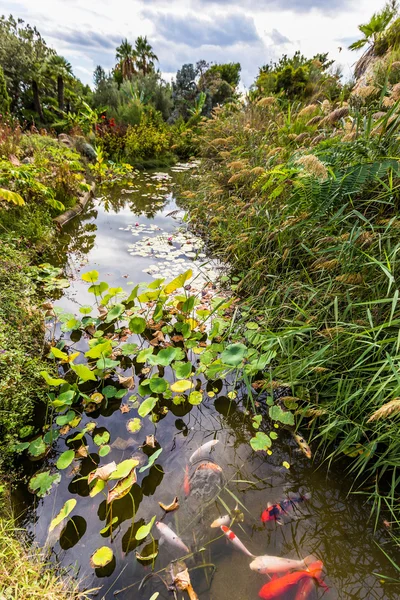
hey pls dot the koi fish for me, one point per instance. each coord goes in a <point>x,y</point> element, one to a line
<point>203,450</point>
<point>232,537</point>
<point>302,444</point>
<point>171,537</point>
<point>186,482</point>
<point>274,511</point>
<point>225,520</point>
<point>209,465</point>
<point>276,587</point>
<point>274,564</point>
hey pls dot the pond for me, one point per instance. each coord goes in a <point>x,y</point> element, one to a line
<point>135,234</point>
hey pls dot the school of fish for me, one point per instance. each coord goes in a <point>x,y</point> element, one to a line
<point>303,575</point>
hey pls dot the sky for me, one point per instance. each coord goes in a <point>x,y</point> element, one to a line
<point>251,32</point>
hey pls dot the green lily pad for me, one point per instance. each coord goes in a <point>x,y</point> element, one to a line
<point>195,398</point>
<point>65,459</point>
<point>147,406</point>
<point>158,385</point>
<point>137,325</point>
<point>134,425</point>
<point>104,450</point>
<point>63,514</point>
<point>144,530</point>
<point>233,354</point>
<point>41,483</point>
<point>151,460</point>
<point>124,468</point>
<point>102,557</point>
<point>261,441</point>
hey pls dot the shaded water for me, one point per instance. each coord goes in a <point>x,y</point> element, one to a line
<point>331,525</point>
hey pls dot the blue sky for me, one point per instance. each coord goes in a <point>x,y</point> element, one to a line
<point>251,32</point>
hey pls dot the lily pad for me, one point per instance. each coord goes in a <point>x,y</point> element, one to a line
<point>124,468</point>
<point>144,530</point>
<point>65,459</point>
<point>123,486</point>
<point>137,325</point>
<point>147,406</point>
<point>261,441</point>
<point>63,514</point>
<point>102,557</point>
<point>182,369</point>
<point>181,386</point>
<point>158,385</point>
<point>41,483</point>
<point>233,354</point>
<point>101,438</point>
<point>195,398</point>
<point>134,425</point>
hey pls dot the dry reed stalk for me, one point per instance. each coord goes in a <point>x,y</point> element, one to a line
<point>323,263</point>
<point>351,278</point>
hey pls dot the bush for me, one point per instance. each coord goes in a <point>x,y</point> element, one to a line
<point>149,139</point>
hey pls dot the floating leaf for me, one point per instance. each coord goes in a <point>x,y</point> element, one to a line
<point>137,325</point>
<point>261,441</point>
<point>134,425</point>
<point>166,356</point>
<point>41,483</point>
<point>97,488</point>
<point>149,552</point>
<point>102,349</point>
<point>101,438</point>
<point>181,386</point>
<point>147,406</point>
<point>144,530</point>
<point>102,557</point>
<point>37,448</point>
<point>195,398</point>
<point>123,487</point>
<point>158,385</point>
<point>128,349</point>
<point>174,505</point>
<point>66,419</point>
<point>143,355</point>
<point>233,354</point>
<point>107,527</point>
<point>97,290</point>
<point>124,468</point>
<point>109,391</point>
<point>178,400</point>
<point>107,363</point>
<point>283,416</point>
<point>90,276</point>
<point>97,398</point>
<point>151,461</point>
<point>182,369</point>
<point>104,450</point>
<point>63,514</point>
<point>65,459</point>
<point>103,472</point>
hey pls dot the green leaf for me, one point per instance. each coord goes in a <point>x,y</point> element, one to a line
<point>104,450</point>
<point>144,530</point>
<point>151,461</point>
<point>158,385</point>
<point>147,406</point>
<point>277,414</point>
<point>109,391</point>
<point>65,459</point>
<point>116,311</point>
<point>51,436</point>
<point>261,441</point>
<point>134,425</point>
<point>102,557</point>
<point>128,349</point>
<point>63,514</point>
<point>54,382</point>
<point>65,419</point>
<point>102,349</point>
<point>85,310</point>
<point>251,325</point>
<point>101,438</point>
<point>107,363</point>
<point>58,353</point>
<point>137,325</point>
<point>83,372</point>
<point>123,487</point>
<point>90,276</point>
<point>124,468</point>
<point>144,355</point>
<point>182,369</point>
<point>195,398</point>
<point>178,282</point>
<point>71,325</point>
<point>107,527</point>
<point>37,447</point>
<point>97,488</point>
<point>99,288</point>
<point>41,483</point>
<point>233,354</point>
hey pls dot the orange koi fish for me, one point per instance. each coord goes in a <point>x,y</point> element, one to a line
<point>276,587</point>
<point>186,482</point>
<point>209,465</point>
<point>232,537</point>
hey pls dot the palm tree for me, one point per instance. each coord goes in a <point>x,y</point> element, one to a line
<point>145,56</point>
<point>58,66</point>
<point>126,57</point>
<point>376,25</point>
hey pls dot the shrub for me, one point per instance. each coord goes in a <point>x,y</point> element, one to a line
<point>149,139</point>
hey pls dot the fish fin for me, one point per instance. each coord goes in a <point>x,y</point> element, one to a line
<point>309,560</point>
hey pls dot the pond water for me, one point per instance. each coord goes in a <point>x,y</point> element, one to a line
<point>129,236</point>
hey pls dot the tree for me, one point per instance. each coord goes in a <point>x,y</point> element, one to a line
<point>99,75</point>
<point>4,97</point>
<point>145,56</point>
<point>58,67</point>
<point>126,57</point>
<point>229,72</point>
<point>375,26</point>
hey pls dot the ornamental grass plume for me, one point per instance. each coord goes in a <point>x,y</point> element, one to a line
<point>314,121</point>
<point>323,263</point>
<point>326,106</point>
<point>351,278</point>
<point>389,409</point>
<point>301,137</point>
<point>268,101</point>
<point>318,138</point>
<point>313,166</point>
<point>274,151</point>
<point>308,110</point>
<point>338,114</point>
<point>237,165</point>
<point>257,171</point>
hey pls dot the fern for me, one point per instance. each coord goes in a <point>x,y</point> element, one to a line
<point>11,197</point>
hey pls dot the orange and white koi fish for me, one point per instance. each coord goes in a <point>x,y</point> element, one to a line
<point>275,564</point>
<point>186,482</point>
<point>225,520</point>
<point>276,587</point>
<point>232,537</point>
<point>209,465</point>
<point>171,537</point>
<point>302,444</point>
<point>203,451</point>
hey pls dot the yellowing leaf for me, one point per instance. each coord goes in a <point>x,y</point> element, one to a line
<point>192,323</point>
<point>97,488</point>
<point>102,557</point>
<point>103,472</point>
<point>178,282</point>
<point>286,464</point>
<point>123,487</point>
<point>63,514</point>
<point>181,386</point>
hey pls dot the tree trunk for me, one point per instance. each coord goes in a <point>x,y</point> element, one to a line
<point>60,92</point>
<point>36,100</point>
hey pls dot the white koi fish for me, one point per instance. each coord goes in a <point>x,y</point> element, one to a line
<point>203,450</point>
<point>225,520</point>
<point>232,537</point>
<point>274,564</point>
<point>171,537</point>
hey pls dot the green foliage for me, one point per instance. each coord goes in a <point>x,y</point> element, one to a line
<point>375,27</point>
<point>4,97</point>
<point>149,139</point>
<point>229,72</point>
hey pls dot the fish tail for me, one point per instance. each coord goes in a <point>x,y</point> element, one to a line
<point>309,560</point>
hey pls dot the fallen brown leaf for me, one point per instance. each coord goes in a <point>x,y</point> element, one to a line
<point>81,452</point>
<point>103,472</point>
<point>151,441</point>
<point>170,507</point>
<point>124,408</point>
<point>127,382</point>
